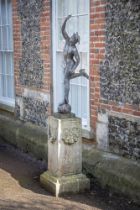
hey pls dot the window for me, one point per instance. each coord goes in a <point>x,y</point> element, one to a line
<point>79,90</point>
<point>6,54</point>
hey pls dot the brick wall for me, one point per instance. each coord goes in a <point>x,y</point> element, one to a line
<point>97,53</point>
<point>17,46</point>
<point>99,10</point>
<point>45,30</point>
<point>114,75</point>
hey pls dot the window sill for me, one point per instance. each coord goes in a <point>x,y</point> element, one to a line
<point>10,107</point>
<point>87,134</point>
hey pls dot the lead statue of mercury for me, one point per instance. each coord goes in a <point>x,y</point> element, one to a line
<point>72,60</point>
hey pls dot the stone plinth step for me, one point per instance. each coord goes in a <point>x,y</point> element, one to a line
<point>64,184</point>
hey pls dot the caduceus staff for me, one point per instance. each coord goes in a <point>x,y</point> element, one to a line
<point>72,60</point>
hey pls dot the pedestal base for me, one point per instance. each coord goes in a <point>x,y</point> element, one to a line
<point>65,184</point>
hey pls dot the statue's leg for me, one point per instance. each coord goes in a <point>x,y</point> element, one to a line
<point>66,90</point>
<point>81,73</point>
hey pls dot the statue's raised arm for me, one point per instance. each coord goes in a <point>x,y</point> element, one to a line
<point>65,35</point>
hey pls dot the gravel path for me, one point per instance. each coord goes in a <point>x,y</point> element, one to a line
<point>20,188</point>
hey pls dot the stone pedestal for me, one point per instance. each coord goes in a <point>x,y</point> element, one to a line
<point>64,156</point>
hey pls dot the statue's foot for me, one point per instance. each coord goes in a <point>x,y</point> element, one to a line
<point>83,73</point>
<point>64,108</point>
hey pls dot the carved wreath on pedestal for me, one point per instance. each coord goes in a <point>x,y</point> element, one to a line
<point>71,136</point>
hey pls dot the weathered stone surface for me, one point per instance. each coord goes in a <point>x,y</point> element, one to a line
<point>17,107</point>
<point>26,136</point>
<point>120,77</point>
<point>102,131</point>
<point>32,106</point>
<point>65,145</point>
<point>64,173</point>
<point>65,184</point>
<point>120,174</point>
<point>63,116</point>
<point>35,111</point>
<point>124,136</point>
<point>31,65</point>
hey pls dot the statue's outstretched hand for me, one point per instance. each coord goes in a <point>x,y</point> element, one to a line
<point>68,17</point>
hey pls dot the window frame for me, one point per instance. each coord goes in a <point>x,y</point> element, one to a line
<point>54,54</point>
<point>7,73</point>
